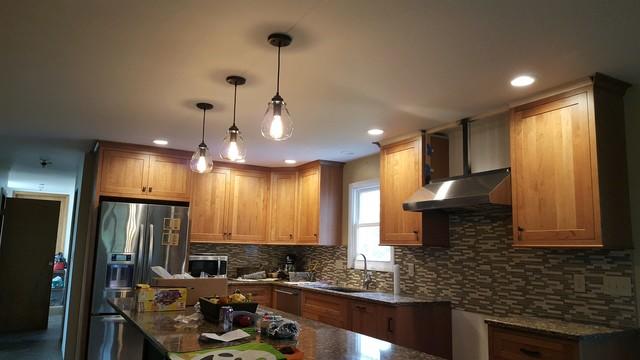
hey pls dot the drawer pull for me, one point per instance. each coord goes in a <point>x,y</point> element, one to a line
<point>530,353</point>
<point>359,307</point>
<point>286,292</point>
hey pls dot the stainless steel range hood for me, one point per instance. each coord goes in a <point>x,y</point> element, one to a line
<point>483,188</point>
<point>469,190</point>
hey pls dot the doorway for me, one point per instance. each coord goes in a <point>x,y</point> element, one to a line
<point>27,246</point>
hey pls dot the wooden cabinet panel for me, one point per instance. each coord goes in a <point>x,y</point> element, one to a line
<point>309,206</point>
<point>123,173</point>
<point>209,201</point>
<point>246,220</point>
<point>401,168</point>
<point>332,310</point>
<point>282,211</point>
<point>365,319</point>
<point>169,177</point>
<point>259,293</point>
<point>552,173</point>
<point>514,345</point>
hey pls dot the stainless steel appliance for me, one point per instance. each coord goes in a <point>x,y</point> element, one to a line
<point>211,264</point>
<point>132,237</point>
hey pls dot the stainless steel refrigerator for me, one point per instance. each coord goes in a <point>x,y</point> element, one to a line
<point>132,237</point>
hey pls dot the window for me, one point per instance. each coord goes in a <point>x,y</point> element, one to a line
<point>364,228</point>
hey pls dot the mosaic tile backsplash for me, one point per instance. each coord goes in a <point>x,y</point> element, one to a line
<point>480,272</point>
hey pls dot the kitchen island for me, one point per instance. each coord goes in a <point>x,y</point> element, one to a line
<point>163,335</point>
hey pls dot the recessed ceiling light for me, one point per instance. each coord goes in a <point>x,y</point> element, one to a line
<point>522,80</point>
<point>160,142</point>
<point>375,132</point>
<point>290,161</point>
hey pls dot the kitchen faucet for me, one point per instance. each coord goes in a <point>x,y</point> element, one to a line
<point>366,277</point>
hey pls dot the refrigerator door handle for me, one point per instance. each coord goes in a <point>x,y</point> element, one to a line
<point>140,257</point>
<point>150,257</point>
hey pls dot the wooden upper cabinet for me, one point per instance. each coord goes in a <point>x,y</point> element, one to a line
<point>143,172</point>
<point>209,201</point>
<point>320,203</point>
<point>247,211</point>
<point>169,177</point>
<point>401,168</point>
<point>401,174</point>
<point>282,207</point>
<point>309,206</point>
<point>123,172</point>
<point>568,169</point>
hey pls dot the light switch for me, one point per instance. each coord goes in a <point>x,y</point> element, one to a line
<point>411,270</point>
<point>579,283</point>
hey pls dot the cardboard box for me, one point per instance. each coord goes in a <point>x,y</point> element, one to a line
<point>161,299</point>
<point>197,288</point>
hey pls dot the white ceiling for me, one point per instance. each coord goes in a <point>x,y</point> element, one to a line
<point>131,70</point>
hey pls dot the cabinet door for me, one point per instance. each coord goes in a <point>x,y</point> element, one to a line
<point>365,319</point>
<point>283,201</point>
<point>124,173</point>
<point>209,202</point>
<point>552,174</point>
<point>400,176</point>
<point>247,213</point>
<point>329,309</point>
<point>169,178</point>
<point>309,206</point>
<point>259,293</point>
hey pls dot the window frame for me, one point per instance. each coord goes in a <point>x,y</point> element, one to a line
<point>354,190</point>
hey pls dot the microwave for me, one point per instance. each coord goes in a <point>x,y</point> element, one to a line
<point>211,264</point>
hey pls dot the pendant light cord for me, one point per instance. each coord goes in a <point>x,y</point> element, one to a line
<point>204,112</point>
<point>278,78</point>
<point>235,92</point>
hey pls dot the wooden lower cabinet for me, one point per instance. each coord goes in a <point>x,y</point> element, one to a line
<point>259,293</point>
<point>329,309</point>
<point>511,344</point>
<point>425,327</point>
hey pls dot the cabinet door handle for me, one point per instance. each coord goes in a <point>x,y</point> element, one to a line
<point>290,236</point>
<point>229,235</point>
<point>286,292</point>
<point>150,189</point>
<point>359,307</point>
<point>144,188</point>
<point>316,235</point>
<point>520,228</point>
<point>530,353</point>
<point>389,325</point>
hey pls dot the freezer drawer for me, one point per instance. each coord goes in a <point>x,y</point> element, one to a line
<point>112,338</point>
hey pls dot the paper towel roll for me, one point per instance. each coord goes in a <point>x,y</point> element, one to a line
<point>396,279</point>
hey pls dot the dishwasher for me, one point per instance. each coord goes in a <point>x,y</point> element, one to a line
<point>287,300</point>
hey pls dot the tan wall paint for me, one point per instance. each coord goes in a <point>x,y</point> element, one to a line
<point>365,168</point>
<point>632,117</point>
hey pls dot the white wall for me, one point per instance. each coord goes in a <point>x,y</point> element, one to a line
<point>55,182</point>
<point>632,117</point>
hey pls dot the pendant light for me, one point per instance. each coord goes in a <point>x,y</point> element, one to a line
<point>277,124</point>
<point>202,161</point>
<point>233,148</point>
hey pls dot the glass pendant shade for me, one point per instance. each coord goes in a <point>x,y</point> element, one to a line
<point>277,123</point>
<point>233,147</point>
<point>201,161</point>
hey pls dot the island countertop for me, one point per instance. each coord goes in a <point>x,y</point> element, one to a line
<point>316,340</point>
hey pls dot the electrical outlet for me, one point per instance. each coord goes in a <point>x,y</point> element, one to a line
<point>411,270</point>
<point>579,283</point>
<point>617,285</point>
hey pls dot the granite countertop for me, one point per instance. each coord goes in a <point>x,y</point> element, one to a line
<point>365,295</point>
<point>558,328</point>
<point>316,340</point>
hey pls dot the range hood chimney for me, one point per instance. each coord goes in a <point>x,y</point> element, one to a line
<point>466,191</point>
